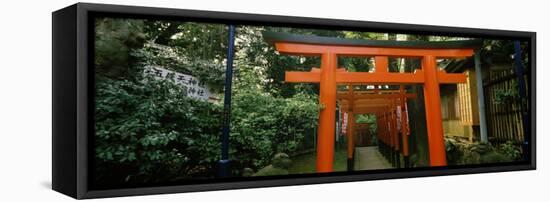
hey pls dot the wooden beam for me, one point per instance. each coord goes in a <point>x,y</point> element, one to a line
<point>368,110</point>
<point>448,78</point>
<point>302,77</point>
<point>317,50</point>
<point>380,78</point>
<point>342,76</point>
<point>313,76</point>
<point>375,96</point>
<point>378,105</point>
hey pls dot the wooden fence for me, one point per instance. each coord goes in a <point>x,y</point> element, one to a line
<point>504,119</point>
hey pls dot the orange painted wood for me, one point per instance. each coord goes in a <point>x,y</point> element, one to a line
<point>358,106</point>
<point>313,76</point>
<point>351,134</point>
<point>389,119</point>
<point>327,98</point>
<point>345,96</point>
<point>381,105</point>
<point>368,110</point>
<point>404,124</point>
<point>395,132</point>
<point>317,50</point>
<point>373,91</point>
<point>375,100</point>
<point>447,78</point>
<point>436,142</point>
<point>381,64</point>
<point>302,77</point>
<point>357,77</point>
<point>374,78</point>
<point>369,101</point>
<point>380,77</point>
<point>383,129</point>
<point>351,124</point>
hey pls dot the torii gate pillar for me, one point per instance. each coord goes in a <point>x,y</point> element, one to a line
<point>327,100</point>
<point>432,101</point>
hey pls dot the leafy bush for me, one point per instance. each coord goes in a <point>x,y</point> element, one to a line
<point>148,130</point>
<point>467,153</point>
<point>115,39</point>
<point>505,96</point>
<point>263,125</point>
<point>511,150</point>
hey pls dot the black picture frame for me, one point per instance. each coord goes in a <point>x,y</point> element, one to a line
<point>73,89</point>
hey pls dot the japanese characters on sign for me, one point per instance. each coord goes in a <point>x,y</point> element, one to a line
<point>193,86</point>
<point>344,122</point>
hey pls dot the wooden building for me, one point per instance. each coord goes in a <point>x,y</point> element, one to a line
<point>459,107</point>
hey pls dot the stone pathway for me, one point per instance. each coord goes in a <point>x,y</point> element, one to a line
<point>368,158</point>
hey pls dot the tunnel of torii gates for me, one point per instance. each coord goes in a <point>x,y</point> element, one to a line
<point>329,75</point>
<point>390,108</point>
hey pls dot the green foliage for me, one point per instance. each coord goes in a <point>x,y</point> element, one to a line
<point>505,96</point>
<point>200,41</point>
<point>364,35</point>
<point>466,153</point>
<point>508,95</point>
<point>365,118</point>
<point>150,131</point>
<point>263,125</point>
<point>511,150</point>
<point>305,163</point>
<point>501,51</point>
<point>253,51</point>
<point>494,157</point>
<point>114,40</point>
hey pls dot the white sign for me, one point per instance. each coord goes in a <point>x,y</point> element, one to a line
<point>195,88</point>
<point>344,122</point>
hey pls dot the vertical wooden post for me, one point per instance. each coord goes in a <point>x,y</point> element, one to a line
<point>351,128</point>
<point>404,126</point>
<point>395,132</point>
<point>380,126</point>
<point>434,123</point>
<point>381,64</point>
<point>389,128</point>
<point>327,98</point>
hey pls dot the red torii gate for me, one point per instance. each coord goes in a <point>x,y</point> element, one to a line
<point>328,77</point>
<point>379,102</point>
